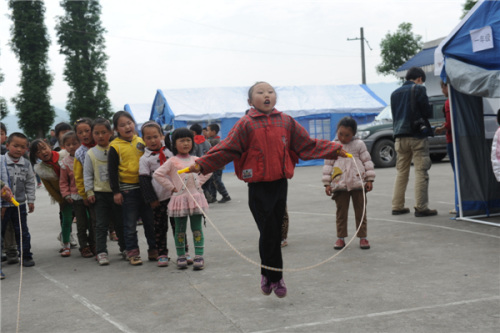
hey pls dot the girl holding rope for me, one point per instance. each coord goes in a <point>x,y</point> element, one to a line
<point>341,179</point>
<point>265,145</point>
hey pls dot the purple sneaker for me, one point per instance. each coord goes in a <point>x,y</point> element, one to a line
<point>279,288</point>
<point>266,286</point>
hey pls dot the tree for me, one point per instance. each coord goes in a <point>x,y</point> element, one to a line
<point>30,42</point>
<point>468,6</point>
<point>80,37</point>
<point>3,104</point>
<point>397,48</point>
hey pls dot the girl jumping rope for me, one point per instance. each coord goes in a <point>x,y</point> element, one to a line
<point>340,178</point>
<point>181,204</point>
<point>123,167</point>
<point>266,144</point>
<point>98,191</point>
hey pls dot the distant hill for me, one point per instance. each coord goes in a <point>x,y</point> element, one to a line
<point>11,120</point>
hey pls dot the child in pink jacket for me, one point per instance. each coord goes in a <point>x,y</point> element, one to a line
<point>69,192</point>
<point>341,178</point>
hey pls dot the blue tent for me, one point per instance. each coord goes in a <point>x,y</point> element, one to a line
<point>469,61</point>
<point>317,108</point>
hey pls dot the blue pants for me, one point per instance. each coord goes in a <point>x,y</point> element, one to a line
<point>215,184</point>
<point>134,207</point>
<point>11,214</point>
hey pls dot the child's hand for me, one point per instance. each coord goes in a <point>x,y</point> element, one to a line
<point>342,153</point>
<point>174,190</point>
<point>155,204</point>
<point>31,207</point>
<point>6,193</point>
<point>69,200</point>
<point>86,202</point>
<point>118,198</point>
<point>91,199</point>
<point>369,186</point>
<point>194,168</point>
<point>328,190</point>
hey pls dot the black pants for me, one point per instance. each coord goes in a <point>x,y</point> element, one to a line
<point>267,201</point>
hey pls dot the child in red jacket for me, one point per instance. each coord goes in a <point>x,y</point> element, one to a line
<point>266,144</point>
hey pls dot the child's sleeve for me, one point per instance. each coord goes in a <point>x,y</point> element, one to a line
<point>161,175</point>
<point>366,159</point>
<point>64,181</point>
<point>327,172</point>
<point>88,176</point>
<point>145,180</point>
<point>308,148</point>
<point>78,172</point>
<point>53,191</point>
<point>113,163</point>
<point>30,185</point>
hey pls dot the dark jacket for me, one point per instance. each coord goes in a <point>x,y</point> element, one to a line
<point>402,116</point>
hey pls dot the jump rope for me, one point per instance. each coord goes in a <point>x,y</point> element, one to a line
<point>16,204</point>
<point>275,268</point>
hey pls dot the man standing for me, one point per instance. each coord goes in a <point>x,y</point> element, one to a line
<point>410,112</point>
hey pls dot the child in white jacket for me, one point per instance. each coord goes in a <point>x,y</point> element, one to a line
<point>341,178</point>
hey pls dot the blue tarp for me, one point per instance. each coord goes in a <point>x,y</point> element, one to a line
<point>421,59</point>
<point>470,63</point>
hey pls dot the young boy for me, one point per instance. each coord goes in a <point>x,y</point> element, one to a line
<point>215,182</point>
<point>21,179</point>
<point>9,250</point>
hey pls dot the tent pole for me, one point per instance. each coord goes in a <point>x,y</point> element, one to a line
<point>477,221</point>
<point>454,145</point>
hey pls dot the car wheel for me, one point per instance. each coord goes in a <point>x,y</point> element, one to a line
<point>437,157</point>
<point>384,154</point>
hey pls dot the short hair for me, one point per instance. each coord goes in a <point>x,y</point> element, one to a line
<point>62,127</point>
<point>250,91</point>
<point>101,121</point>
<point>69,135</point>
<point>348,122</point>
<point>151,123</point>
<point>3,128</point>
<point>196,128</point>
<point>83,120</point>
<point>414,73</point>
<point>17,135</point>
<point>120,114</point>
<point>179,134</point>
<point>214,127</point>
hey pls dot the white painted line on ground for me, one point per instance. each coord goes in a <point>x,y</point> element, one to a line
<point>85,302</point>
<point>404,222</point>
<point>380,314</point>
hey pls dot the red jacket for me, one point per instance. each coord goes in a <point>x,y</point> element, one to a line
<point>266,147</point>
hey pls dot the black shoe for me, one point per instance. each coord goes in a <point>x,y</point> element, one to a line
<point>401,211</point>
<point>426,212</point>
<point>225,199</point>
<point>12,259</point>
<point>28,262</point>
<point>211,200</point>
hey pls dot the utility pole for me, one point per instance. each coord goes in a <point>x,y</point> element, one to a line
<point>362,39</point>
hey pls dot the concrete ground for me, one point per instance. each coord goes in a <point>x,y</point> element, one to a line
<point>421,274</point>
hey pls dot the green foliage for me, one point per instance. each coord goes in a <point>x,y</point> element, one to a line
<point>30,42</point>
<point>3,104</point>
<point>397,48</point>
<point>80,36</point>
<point>468,6</point>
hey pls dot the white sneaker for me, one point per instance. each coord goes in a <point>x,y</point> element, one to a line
<point>102,259</point>
<point>73,241</point>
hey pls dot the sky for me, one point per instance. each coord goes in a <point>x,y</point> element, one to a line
<point>164,44</point>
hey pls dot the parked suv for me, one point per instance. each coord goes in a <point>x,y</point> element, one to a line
<point>379,139</point>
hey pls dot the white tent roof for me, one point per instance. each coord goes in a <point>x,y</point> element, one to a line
<point>197,103</point>
<point>141,111</point>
